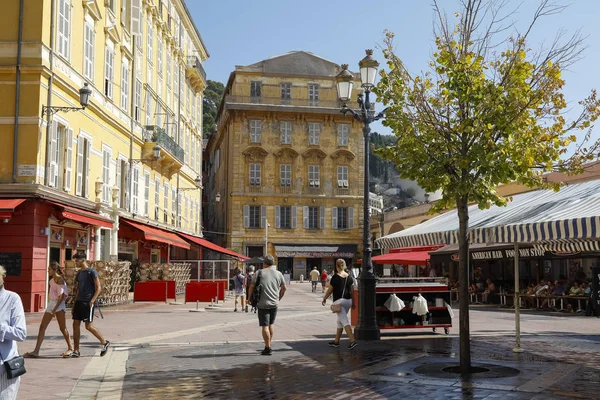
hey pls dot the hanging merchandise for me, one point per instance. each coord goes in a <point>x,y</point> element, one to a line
<point>420,305</point>
<point>449,308</point>
<point>394,303</point>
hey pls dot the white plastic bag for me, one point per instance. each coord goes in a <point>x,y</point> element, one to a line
<point>393,303</point>
<point>420,305</point>
<point>449,310</point>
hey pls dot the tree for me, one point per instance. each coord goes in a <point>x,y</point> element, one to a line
<point>210,106</point>
<point>489,111</point>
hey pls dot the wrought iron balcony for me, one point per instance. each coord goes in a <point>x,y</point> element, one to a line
<point>194,71</point>
<point>160,137</point>
<point>286,102</point>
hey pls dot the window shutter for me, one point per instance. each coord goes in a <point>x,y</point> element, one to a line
<point>334,221</point>
<point>263,216</point>
<point>119,183</point>
<point>305,217</point>
<point>246,216</point>
<point>322,217</point>
<point>68,160</point>
<point>127,183</point>
<point>136,27</point>
<point>294,216</point>
<point>86,181</point>
<point>277,217</point>
<point>79,167</point>
<point>350,217</point>
<point>53,156</point>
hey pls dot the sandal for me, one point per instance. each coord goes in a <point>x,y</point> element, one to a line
<point>31,355</point>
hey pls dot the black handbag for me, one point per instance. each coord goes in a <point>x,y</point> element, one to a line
<point>256,293</point>
<point>15,367</point>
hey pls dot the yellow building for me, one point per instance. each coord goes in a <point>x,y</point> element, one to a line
<point>89,180</point>
<point>287,165</point>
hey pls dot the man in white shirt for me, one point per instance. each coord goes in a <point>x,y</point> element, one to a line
<point>314,278</point>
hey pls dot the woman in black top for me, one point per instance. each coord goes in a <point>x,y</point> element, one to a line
<point>341,287</point>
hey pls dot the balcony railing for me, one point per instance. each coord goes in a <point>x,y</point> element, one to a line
<point>160,137</point>
<point>194,62</point>
<point>277,101</point>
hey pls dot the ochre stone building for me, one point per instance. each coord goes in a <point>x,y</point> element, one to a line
<point>287,165</point>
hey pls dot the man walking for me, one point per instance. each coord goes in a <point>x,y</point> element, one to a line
<point>83,310</point>
<point>314,278</point>
<point>271,286</point>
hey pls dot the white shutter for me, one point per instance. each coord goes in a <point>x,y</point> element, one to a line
<point>263,216</point>
<point>135,190</point>
<point>119,183</point>
<point>350,217</point>
<point>277,217</point>
<point>68,160</point>
<point>136,27</point>
<point>127,184</point>
<point>246,216</point>
<point>79,166</point>
<point>322,217</point>
<point>305,217</point>
<point>334,221</point>
<point>53,154</point>
<point>86,180</point>
<point>294,216</point>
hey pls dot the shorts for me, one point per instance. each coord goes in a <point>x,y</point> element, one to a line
<point>323,283</point>
<point>342,316</point>
<point>266,316</point>
<point>82,311</point>
<point>314,283</point>
<point>239,293</point>
<point>52,304</point>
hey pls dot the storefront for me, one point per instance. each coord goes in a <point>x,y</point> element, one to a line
<point>36,231</point>
<point>301,259</point>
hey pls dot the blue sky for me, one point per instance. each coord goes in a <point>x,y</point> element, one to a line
<point>242,32</point>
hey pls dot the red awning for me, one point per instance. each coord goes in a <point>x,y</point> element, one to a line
<point>418,255</point>
<point>212,246</point>
<point>7,206</point>
<point>82,216</point>
<point>157,234</point>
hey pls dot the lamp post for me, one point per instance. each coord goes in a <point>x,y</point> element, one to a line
<point>155,156</point>
<point>367,328</point>
<point>84,99</point>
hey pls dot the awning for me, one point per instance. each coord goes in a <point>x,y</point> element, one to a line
<point>541,216</point>
<point>205,243</point>
<point>157,235</point>
<point>82,216</point>
<point>418,255</point>
<point>316,250</point>
<point>7,206</point>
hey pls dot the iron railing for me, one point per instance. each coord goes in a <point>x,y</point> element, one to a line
<point>160,137</point>
<point>277,101</point>
<point>194,62</point>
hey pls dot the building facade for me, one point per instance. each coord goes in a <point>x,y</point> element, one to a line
<point>287,165</point>
<point>118,177</point>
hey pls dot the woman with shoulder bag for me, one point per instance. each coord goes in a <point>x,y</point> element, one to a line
<point>341,286</point>
<point>12,329</point>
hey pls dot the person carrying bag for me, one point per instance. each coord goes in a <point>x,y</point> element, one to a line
<point>342,302</point>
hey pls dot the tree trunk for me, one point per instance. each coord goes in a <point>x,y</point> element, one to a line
<point>462,206</point>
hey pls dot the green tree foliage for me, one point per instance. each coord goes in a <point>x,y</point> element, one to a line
<point>378,166</point>
<point>210,106</point>
<point>490,110</point>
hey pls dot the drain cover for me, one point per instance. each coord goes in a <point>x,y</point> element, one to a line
<point>450,370</point>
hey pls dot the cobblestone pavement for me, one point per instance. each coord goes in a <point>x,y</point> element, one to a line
<point>165,352</point>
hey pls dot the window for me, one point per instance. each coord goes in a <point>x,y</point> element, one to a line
<point>342,217</point>
<point>83,164</point>
<point>169,66</point>
<point>313,217</point>
<point>313,94</point>
<point>64,28</point>
<point>146,193</point>
<point>106,156</point>
<point>254,174</point>
<point>285,129</point>
<point>342,176</point>
<point>254,217</point>
<point>88,51</point>
<point>122,179</point>
<point>56,143</point>
<point>173,204</point>
<point>285,217</point>
<point>255,130</point>
<point>343,134</point>
<point>166,202</point>
<point>157,199</point>
<point>124,84</point>
<point>159,57</point>
<point>148,108</point>
<point>313,176</point>
<point>314,129</point>
<point>109,70</point>
<point>255,90</point>
<point>285,175</point>
<point>111,5</point>
<point>286,93</point>
<point>126,14</point>
<point>138,101</point>
<point>135,190</point>
<point>150,42</point>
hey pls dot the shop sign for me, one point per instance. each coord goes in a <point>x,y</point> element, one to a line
<point>487,255</point>
<point>314,254</point>
<point>529,252</point>
<point>500,254</point>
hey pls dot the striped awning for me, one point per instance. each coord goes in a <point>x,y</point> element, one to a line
<point>569,246</point>
<point>534,217</point>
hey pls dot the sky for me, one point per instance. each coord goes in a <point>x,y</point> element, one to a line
<point>243,32</point>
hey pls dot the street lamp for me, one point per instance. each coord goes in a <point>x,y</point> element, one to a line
<point>197,182</point>
<point>367,328</point>
<point>155,156</point>
<point>84,99</point>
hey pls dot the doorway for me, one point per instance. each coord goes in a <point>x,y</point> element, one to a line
<point>55,254</point>
<point>311,263</point>
<point>255,251</point>
<point>285,265</point>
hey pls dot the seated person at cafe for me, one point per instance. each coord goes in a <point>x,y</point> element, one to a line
<point>587,290</point>
<point>545,293</point>
<point>559,288</point>
<point>574,291</point>
<point>528,295</point>
<point>489,292</point>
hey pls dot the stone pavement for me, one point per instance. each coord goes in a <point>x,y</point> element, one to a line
<point>164,351</point>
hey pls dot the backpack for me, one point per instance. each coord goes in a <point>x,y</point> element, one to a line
<point>256,292</point>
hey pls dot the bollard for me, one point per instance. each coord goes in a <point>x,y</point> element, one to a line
<point>197,308</point>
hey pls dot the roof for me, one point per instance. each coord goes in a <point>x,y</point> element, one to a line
<point>294,63</point>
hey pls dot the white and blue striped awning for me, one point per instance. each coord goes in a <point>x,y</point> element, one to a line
<point>552,219</point>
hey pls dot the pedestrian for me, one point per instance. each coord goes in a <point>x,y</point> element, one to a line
<point>341,287</point>
<point>271,286</point>
<point>314,278</point>
<point>249,277</point>
<point>12,329</point>
<point>239,288</point>
<point>56,307</point>
<point>88,291</point>
<point>324,277</point>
